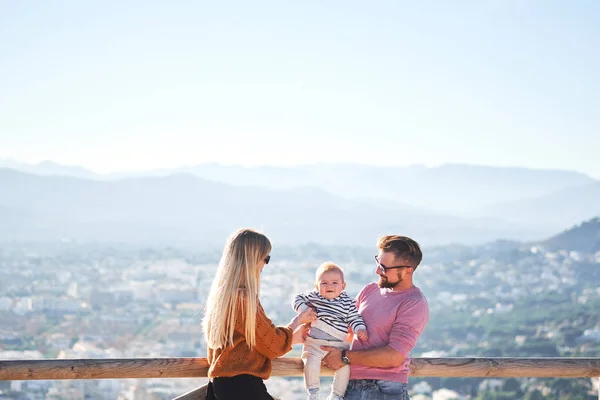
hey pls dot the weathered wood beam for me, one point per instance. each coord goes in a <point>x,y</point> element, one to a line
<point>103,368</point>
<point>505,367</point>
<point>54,369</point>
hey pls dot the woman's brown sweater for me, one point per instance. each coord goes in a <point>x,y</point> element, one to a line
<point>271,342</point>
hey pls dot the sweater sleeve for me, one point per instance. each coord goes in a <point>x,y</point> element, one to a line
<point>271,341</point>
<point>301,302</point>
<point>410,321</point>
<point>354,319</point>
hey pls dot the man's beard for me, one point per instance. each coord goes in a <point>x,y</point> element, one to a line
<point>384,283</point>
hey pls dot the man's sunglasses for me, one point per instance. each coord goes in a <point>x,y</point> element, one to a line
<point>268,259</point>
<point>384,268</point>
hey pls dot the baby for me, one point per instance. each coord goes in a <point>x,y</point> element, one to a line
<point>336,311</point>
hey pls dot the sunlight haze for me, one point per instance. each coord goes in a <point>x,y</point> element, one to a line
<point>140,85</point>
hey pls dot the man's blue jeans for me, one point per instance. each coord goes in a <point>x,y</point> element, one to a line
<point>373,389</point>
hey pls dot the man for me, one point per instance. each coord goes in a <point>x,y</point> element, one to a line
<point>395,312</point>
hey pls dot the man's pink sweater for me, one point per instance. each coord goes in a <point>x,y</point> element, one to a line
<point>394,319</point>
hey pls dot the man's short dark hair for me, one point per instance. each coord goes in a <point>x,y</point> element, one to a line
<point>401,247</point>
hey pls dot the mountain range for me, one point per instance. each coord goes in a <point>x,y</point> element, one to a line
<point>584,238</point>
<point>327,203</point>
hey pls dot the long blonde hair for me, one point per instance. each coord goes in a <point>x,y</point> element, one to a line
<point>238,274</point>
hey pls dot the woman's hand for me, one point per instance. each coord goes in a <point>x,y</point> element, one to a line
<point>307,316</point>
<point>300,334</point>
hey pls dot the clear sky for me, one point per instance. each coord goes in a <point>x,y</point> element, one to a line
<point>129,85</point>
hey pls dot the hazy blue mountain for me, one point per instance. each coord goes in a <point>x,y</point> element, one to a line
<point>49,168</point>
<point>584,238</point>
<point>452,188</point>
<point>184,207</point>
<point>555,210</point>
<point>504,202</point>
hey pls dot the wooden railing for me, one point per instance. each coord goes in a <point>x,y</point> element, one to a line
<point>111,368</point>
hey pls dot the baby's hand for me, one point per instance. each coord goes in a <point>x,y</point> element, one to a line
<point>362,334</point>
<point>308,315</point>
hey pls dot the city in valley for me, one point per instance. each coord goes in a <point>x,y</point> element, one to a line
<point>76,300</point>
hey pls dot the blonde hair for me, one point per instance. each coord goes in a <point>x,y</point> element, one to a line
<point>328,266</point>
<point>237,278</point>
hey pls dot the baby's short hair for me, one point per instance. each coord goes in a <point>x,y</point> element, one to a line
<point>328,266</point>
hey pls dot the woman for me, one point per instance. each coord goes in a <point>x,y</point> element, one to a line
<point>242,340</point>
